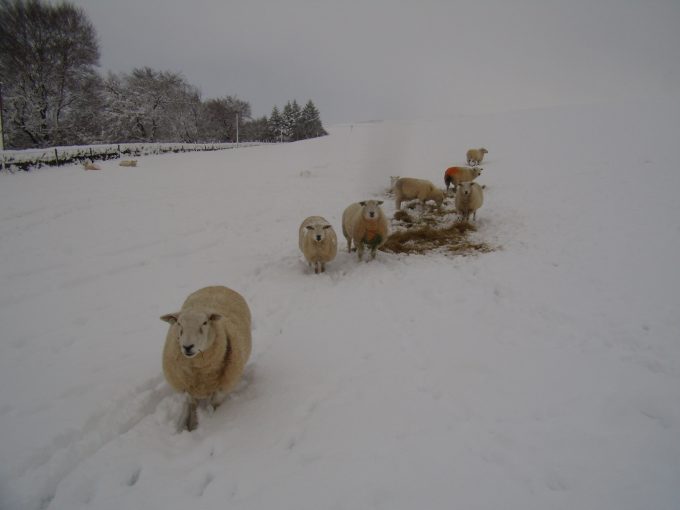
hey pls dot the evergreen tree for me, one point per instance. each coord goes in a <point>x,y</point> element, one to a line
<point>310,121</point>
<point>276,126</point>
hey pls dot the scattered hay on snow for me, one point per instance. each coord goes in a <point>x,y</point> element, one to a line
<point>425,229</point>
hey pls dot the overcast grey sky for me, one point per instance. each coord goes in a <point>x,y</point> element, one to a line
<point>380,59</point>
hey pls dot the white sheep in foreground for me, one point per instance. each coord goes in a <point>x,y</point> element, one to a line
<point>457,174</point>
<point>207,347</point>
<point>475,156</point>
<point>469,198</point>
<point>128,162</point>
<point>365,224</point>
<point>318,242</point>
<point>408,188</point>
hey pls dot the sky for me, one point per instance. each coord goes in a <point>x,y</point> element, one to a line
<point>390,59</point>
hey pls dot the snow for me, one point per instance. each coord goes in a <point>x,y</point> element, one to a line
<point>544,374</point>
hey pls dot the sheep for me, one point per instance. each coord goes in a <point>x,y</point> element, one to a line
<point>457,174</point>
<point>128,162</point>
<point>469,198</point>
<point>365,224</point>
<point>475,156</point>
<point>318,242</point>
<point>393,179</point>
<point>408,188</point>
<point>89,165</point>
<point>206,348</point>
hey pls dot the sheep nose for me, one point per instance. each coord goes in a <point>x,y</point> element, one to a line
<point>371,214</point>
<point>188,348</point>
<point>318,238</point>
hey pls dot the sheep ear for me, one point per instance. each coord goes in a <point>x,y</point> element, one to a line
<point>380,202</point>
<point>326,226</point>
<point>309,227</point>
<point>362,203</point>
<point>214,317</point>
<point>170,318</point>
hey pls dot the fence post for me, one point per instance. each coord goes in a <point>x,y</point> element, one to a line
<point>56,156</point>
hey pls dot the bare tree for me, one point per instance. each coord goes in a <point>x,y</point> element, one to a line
<point>47,57</point>
<point>218,119</point>
<point>151,106</point>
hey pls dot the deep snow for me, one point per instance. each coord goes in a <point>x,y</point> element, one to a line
<point>545,374</point>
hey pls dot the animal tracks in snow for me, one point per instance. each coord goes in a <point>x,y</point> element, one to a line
<point>67,451</point>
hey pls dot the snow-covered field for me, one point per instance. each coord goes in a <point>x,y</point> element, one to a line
<point>543,375</point>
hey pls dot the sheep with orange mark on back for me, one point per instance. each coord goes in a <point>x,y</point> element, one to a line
<point>206,348</point>
<point>408,188</point>
<point>457,174</point>
<point>364,223</point>
<point>475,156</point>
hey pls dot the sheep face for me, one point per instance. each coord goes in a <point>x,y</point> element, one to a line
<point>194,330</point>
<point>466,187</point>
<point>317,232</point>
<point>371,209</point>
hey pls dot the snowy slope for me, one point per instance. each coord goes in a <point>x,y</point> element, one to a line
<point>545,374</point>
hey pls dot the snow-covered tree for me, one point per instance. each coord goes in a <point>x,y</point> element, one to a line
<point>47,58</point>
<point>151,106</point>
<point>276,126</point>
<point>295,123</point>
<point>291,118</point>
<point>310,122</point>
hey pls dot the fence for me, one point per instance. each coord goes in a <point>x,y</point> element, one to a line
<point>16,160</point>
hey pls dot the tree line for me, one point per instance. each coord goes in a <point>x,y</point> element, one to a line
<point>52,94</point>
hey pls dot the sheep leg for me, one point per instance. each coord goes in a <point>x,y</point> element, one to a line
<point>373,252</point>
<point>316,267</point>
<point>360,250</point>
<point>217,398</point>
<point>323,267</point>
<point>189,419</point>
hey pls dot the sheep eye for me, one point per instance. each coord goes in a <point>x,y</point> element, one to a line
<point>205,323</point>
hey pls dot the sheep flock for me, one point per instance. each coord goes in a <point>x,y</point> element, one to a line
<point>208,342</point>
